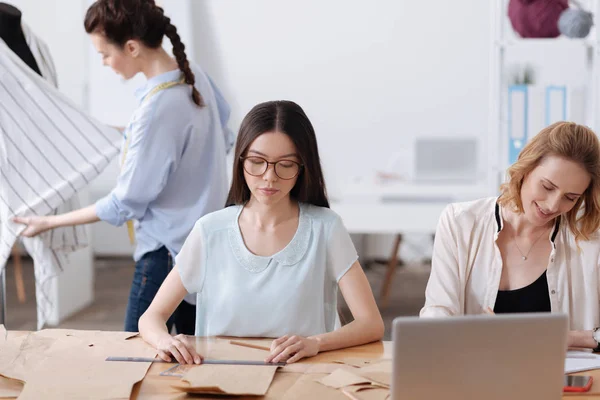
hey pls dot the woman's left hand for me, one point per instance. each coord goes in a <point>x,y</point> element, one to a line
<point>292,348</point>
<point>35,225</point>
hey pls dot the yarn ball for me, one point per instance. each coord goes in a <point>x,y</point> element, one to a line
<point>575,23</point>
<point>536,18</point>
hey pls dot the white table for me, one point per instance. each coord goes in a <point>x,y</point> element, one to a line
<point>398,208</point>
<point>389,218</point>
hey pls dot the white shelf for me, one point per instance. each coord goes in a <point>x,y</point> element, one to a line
<point>407,191</point>
<point>559,41</point>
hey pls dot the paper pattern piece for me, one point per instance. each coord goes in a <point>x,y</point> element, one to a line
<point>10,387</point>
<point>219,349</point>
<point>379,373</point>
<point>248,380</point>
<point>367,393</point>
<point>367,383</point>
<point>308,387</point>
<point>66,364</point>
<point>341,378</point>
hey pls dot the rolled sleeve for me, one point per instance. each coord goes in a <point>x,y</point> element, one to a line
<point>109,210</point>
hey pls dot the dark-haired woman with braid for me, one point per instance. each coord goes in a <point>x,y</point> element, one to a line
<point>174,149</point>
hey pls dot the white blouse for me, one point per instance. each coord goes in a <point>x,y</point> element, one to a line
<point>291,292</point>
<point>467,266</point>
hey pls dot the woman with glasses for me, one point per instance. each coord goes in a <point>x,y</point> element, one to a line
<point>270,263</point>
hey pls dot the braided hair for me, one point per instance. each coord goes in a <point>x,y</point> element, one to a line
<point>123,20</point>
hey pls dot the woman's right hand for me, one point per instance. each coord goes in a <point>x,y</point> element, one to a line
<point>178,347</point>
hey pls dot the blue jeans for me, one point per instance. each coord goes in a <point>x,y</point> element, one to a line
<point>150,272</point>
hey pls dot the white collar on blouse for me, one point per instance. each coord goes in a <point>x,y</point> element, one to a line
<point>288,256</point>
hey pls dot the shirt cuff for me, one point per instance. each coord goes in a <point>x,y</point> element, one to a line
<point>108,210</point>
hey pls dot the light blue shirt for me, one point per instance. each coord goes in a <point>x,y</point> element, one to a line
<point>293,291</point>
<point>175,167</point>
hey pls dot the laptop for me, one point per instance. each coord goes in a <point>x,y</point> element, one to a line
<point>492,357</point>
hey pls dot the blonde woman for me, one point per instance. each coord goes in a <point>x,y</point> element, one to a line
<point>535,248</point>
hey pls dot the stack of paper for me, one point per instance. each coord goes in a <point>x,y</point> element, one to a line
<point>578,361</point>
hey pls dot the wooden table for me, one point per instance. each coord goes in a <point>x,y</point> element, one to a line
<point>154,386</point>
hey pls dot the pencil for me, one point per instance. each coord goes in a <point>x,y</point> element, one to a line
<point>253,346</point>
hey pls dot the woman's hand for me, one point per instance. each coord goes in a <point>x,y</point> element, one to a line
<point>35,225</point>
<point>581,339</point>
<point>292,348</point>
<point>178,347</point>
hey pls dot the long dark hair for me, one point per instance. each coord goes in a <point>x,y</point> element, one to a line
<point>286,117</point>
<point>123,20</point>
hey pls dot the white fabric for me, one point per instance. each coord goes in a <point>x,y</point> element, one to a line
<point>467,266</point>
<point>42,55</point>
<point>49,149</point>
<point>242,294</point>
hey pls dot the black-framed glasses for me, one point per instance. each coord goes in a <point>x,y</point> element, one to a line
<point>284,169</point>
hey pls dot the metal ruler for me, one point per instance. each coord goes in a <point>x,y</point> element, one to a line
<point>205,361</point>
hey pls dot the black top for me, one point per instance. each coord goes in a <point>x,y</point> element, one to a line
<point>12,34</point>
<point>531,298</point>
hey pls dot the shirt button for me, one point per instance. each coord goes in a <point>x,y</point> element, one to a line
<point>553,292</point>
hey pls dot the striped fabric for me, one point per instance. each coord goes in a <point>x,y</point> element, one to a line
<point>49,150</point>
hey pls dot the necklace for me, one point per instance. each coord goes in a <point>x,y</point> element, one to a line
<point>524,256</point>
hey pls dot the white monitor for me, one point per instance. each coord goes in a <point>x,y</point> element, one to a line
<point>446,160</point>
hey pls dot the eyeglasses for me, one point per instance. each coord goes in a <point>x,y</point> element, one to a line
<point>284,169</point>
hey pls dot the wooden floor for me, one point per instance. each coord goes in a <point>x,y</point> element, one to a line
<point>113,279</point>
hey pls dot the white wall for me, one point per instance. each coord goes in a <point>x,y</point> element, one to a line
<point>370,75</point>
<point>60,24</point>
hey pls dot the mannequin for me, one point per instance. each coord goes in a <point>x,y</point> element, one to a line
<point>12,34</point>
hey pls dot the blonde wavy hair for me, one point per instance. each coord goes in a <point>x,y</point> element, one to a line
<point>570,141</point>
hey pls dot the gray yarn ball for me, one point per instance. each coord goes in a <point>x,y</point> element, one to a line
<point>575,23</point>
